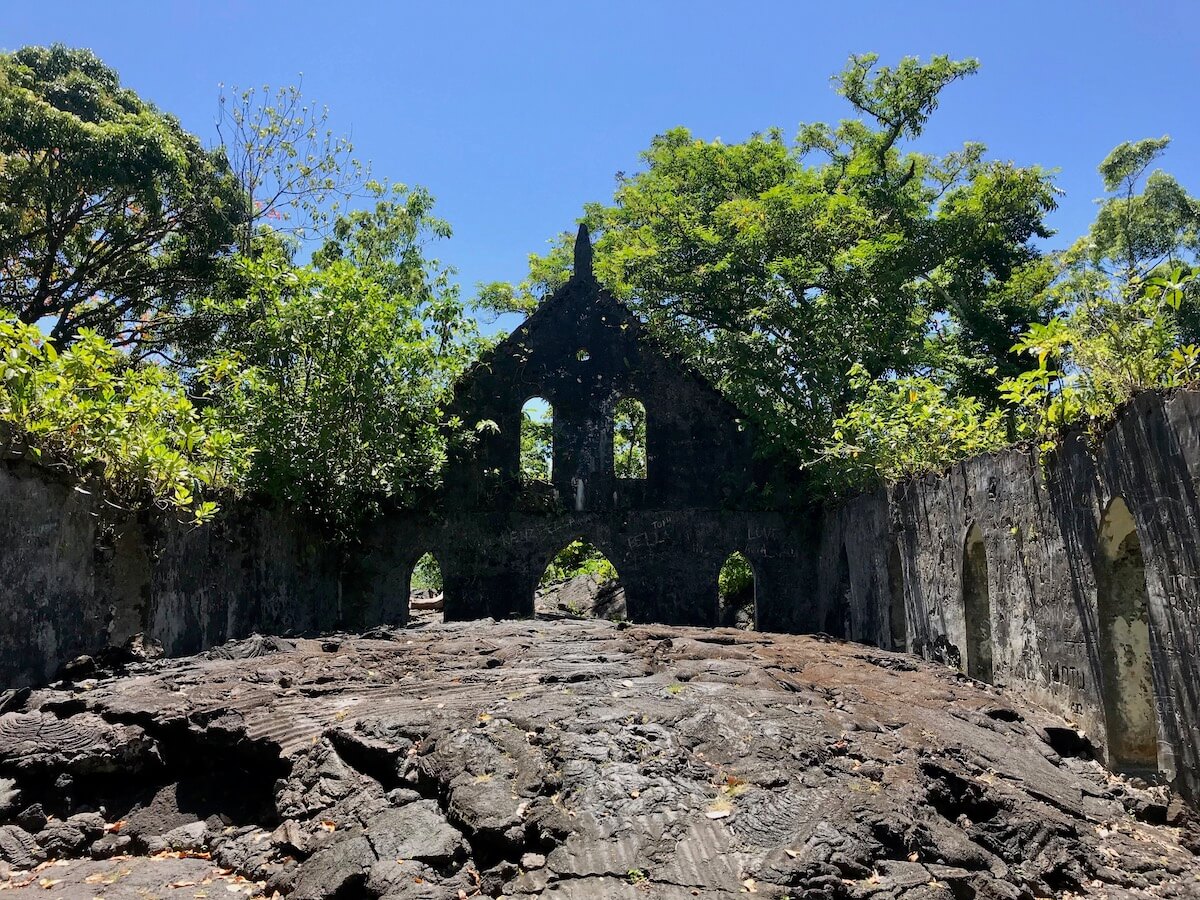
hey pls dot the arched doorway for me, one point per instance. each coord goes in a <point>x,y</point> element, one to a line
<point>580,581</point>
<point>537,440</point>
<point>736,593</point>
<point>425,600</point>
<point>1125,658</point>
<point>897,614</point>
<point>977,607</point>
<point>837,615</point>
<point>629,439</point>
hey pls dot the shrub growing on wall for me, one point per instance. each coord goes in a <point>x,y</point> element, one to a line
<point>88,409</point>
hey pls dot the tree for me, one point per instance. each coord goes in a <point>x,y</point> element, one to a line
<point>110,212</point>
<point>901,427</point>
<point>338,370</point>
<point>629,439</point>
<point>1125,300</point>
<point>775,267</point>
<point>537,443</point>
<point>295,171</point>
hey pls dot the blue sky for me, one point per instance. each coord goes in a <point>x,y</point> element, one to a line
<point>515,114</point>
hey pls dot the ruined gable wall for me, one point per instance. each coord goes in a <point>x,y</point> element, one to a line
<point>582,353</point>
<point>667,534</point>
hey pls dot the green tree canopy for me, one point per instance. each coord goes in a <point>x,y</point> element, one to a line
<point>296,172</point>
<point>110,212</point>
<point>338,370</point>
<point>776,266</point>
<point>1124,304</point>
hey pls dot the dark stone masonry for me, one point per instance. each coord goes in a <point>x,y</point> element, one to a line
<point>667,534</point>
<point>1069,581</point>
<point>1074,582</point>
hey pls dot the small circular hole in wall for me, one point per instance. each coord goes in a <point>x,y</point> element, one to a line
<point>582,354</point>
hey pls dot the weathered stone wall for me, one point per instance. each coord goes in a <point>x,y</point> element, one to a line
<point>668,561</point>
<point>1077,578</point>
<point>667,533</point>
<point>1073,582</point>
<point>77,576</point>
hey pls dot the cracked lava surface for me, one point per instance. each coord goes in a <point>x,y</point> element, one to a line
<point>566,759</point>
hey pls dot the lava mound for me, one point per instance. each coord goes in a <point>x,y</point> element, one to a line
<point>568,759</point>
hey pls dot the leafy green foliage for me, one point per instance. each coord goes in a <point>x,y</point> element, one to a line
<point>89,409</point>
<point>1099,355</point>
<point>1124,300</point>
<point>735,581</point>
<point>629,439</point>
<point>578,558</point>
<point>907,426</point>
<point>339,369</point>
<point>426,574</point>
<point>113,218</point>
<point>111,214</point>
<point>537,440</point>
<point>296,172</point>
<point>775,267</point>
<point>876,311</point>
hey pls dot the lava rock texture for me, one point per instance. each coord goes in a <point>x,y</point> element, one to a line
<point>570,759</point>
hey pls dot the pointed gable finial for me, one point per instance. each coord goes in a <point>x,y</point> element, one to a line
<point>583,253</point>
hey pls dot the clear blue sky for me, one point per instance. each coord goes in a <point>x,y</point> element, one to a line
<point>515,114</point>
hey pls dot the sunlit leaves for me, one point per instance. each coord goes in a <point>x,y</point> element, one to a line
<point>111,214</point>
<point>905,427</point>
<point>340,369</point>
<point>773,267</point>
<point>537,442</point>
<point>89,410</point>
<point>578,558</point>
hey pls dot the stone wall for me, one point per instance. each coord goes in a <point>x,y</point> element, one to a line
<point>668,532</point>
<point>1073,583</point>
<point>668,561</point>
<point>78,575</point>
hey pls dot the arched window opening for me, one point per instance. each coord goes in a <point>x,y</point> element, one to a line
<point>837,615</point>
<point>897,614</point>
<point>629,439</point>
<point>537,440</point>
<point>580,581</point>
<point>736,590</point>
<point>425,590</point>
<point>977,607</point>
<point>1125,644</point>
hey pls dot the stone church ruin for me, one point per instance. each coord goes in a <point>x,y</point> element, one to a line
<point>1068,580</point>
<point>668,533</point>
